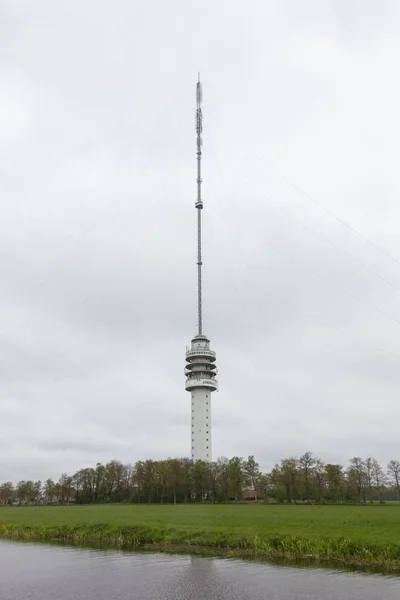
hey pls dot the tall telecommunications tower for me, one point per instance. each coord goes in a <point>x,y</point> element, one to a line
<point>200,367</point>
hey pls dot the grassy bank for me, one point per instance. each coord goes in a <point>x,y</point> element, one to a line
<point>351,535</point>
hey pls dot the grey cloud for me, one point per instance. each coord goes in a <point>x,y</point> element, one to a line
<point>80,446</point>
<point>97,229</point>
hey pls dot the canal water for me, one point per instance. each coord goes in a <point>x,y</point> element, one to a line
<point>38,572</point>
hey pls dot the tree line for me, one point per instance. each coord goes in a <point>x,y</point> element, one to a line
<point>294,480</point>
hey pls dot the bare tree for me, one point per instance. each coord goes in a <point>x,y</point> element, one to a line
<point>356,477</point>
<point>214,479</point>
<point>307,463</point>
<point>393,470</point>
<point>368,469</point>
<point>64,484</point>
<point>379,478</point>
<point>223,475</point>
<point>38,489</point>
<point>48,490</point>
<point>319,478</point>
<point>178,480</point>
<point>237,477</point>
<point>252,470</point>
<point>265,485</point>
<point>6,492</point>
<point>334,477</point>
<point>286,476</point>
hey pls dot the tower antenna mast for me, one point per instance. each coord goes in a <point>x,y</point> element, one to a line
<point>199,204</point>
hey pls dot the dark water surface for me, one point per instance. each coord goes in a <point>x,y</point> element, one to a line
<point>39,572</point>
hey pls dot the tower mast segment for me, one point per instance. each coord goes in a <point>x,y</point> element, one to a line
<point>200,369</point>
<point>199,204</point>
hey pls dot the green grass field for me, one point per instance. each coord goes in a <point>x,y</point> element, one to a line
<point>353,534</point>
<point>366,524</point>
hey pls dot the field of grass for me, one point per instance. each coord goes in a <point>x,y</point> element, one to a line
<point>358,535</point>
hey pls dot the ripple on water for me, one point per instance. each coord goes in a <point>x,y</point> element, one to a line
<point>39,572</point>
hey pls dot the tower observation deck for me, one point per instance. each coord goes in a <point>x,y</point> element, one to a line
<point>200,369</point>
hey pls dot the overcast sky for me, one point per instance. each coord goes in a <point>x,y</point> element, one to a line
<point>97,228</point>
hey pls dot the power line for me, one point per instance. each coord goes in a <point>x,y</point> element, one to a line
<point>330,325</point>
<point>336,285</point>
<point>326,240</point>
<point>341,288</point>
<point>324,208</point>
<point>326,324</point>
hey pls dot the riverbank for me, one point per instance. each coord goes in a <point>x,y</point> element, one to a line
<point>354,536</point>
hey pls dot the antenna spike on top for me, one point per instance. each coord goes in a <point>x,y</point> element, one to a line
<point>199,92</point>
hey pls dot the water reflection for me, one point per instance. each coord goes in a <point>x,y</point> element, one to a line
<point>39,572</point>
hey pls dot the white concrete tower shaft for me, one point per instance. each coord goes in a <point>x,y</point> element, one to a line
<point>200,367</point>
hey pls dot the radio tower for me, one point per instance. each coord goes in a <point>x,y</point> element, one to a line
<point>200,367</point>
